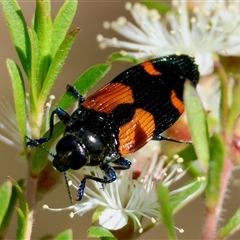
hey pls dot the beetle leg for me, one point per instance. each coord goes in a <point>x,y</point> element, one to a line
<point>122,164</point>
<point>75,93</point>
<point>159,137</point>
<point>62,115</point>
<point>109,176</point>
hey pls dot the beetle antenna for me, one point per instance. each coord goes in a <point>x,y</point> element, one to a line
<point>161,138</point>
<point>68,188</point>
<point>51,154</point>
<point>41,146</point>
<point>177,140</point>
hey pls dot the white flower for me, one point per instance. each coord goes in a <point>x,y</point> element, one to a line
<point>127,197</point>
<point>203,32</point>
<point>8,126</point>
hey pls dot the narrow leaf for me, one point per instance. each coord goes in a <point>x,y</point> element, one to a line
<point>99,232</point>
<point>235,107</point>
<point>18,30</point>
<point>166,211</point>
<point>118,57</point>
<point>34,68</point>
<point>217,156</point>
<point>11,207</point>
<point>43,29</point>
<point>97,213</point>
<point>224,79</point>
<point>197,123</point>
<point>62,23</point>
<point>22,224</point>
<point>22,211</point>
<point>57,64</point>
<point>85,83</point>
<point>67,234</point>
<point>231,227</point>
<point>187,193</point>
<point>19,96</point>
<point>5,197</point>
<point>21,196</point>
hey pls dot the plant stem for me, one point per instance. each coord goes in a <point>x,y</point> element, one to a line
<point>213,214</point>
<point>31,200</point>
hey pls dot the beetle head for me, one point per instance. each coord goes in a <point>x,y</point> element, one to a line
<point>70,154</point>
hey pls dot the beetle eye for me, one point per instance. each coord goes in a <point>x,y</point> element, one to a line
<point>78,158</point>
<point>66,144</point>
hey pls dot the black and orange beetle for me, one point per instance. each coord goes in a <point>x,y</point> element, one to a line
<point>121,117</point>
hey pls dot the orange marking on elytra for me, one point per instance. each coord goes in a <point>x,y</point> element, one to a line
<point>150,69</point>
<point>177,103</point>
<point>109,97</point>
<point>136,133</point>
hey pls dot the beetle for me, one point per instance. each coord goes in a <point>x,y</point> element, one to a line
<point>121,117</point>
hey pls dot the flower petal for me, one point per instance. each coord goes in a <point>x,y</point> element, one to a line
<point>113,219</point>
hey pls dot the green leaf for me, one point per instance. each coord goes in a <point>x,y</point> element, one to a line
<point>57,64</point>
<point>22,211</point>
<point>231,227</point>
<point>166,211</point>
<point>62,23</point>
<point>235,107</point>
<point>197,123</point>
<point>84,83</point>
<point>217,157</point>
<point>118,57</point>
<point>22,224</point>
<point>18,30</point>
<point>187,193</point>
<point>43,29</point>
<point>224,79</point>
<point>159,6</point>
<point>34,68</point>
<point>67,234</point>
<point>21,196</point>
<point>97,213</point>
<point>100,232</point>
<point>19,96</point>
<point>5,197</point>
<point>11,207</point>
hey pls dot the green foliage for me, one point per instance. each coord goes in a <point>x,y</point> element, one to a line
<point>217,157</point>
<point>116,57</point>
<point>161,7</point>
<point>166,211</point>
<point>67,234</point>
<point>5,198</point>
<point>99,232</point>
<point>231,226</point>
<point>198,125</point>
<point>19,96</point>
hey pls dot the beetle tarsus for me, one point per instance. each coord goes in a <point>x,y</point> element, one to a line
<point>122,164</point>
<point>75,93</point>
